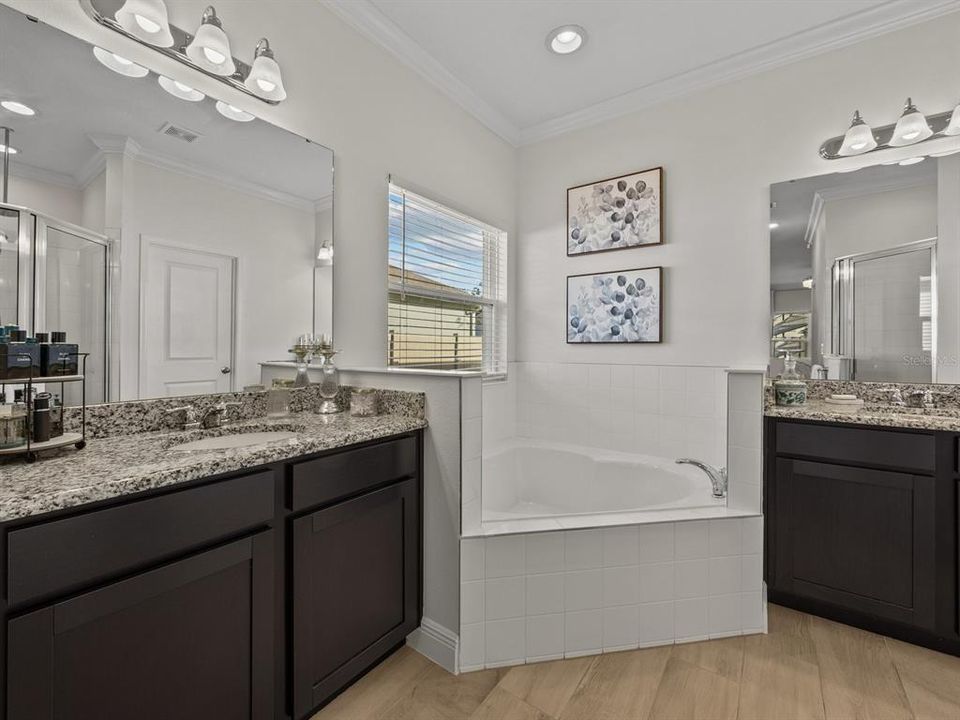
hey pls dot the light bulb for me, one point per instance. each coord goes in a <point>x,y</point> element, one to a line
<point>119,64</point>
<point>146,20</point>
<point>566,39</point>
<point>180,90</point>
<point>265,79</point>
<point>858,138</point>
<point>233,112</point>
<point>210,48</point>
<point>912,127</point>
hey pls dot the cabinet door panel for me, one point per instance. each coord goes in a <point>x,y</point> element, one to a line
<point>190,640</point>
<point>863,539</point>
<point>355,588</point>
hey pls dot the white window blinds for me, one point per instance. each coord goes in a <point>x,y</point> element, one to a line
<point>447,277</point>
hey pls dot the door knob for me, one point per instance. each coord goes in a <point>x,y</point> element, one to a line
<point>225,369</point>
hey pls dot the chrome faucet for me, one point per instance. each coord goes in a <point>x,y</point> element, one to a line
<point>896,396</point>
<point>216,416</point>
<point>718,477</point>
<point>189,413</point>
<point>925,398</point>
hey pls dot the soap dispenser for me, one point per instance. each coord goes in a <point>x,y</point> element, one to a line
<point>789,388</point>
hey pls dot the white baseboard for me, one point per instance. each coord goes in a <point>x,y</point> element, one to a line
<point>437,643</point>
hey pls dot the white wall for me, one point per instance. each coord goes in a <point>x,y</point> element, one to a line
<point>720,149</point>
<point>57,201</point>
<point>379,118</point>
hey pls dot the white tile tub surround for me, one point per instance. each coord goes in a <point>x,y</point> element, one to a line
<point>472,421</point>
<point>542,596</point>
<point>666,411</point>
<point>744,443</point>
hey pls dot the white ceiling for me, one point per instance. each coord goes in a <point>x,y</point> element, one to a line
<point>490,55</point>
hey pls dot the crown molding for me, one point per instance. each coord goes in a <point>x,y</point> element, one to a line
<point>48,177</point>
<point>845,31</point>
<point>363,16</point>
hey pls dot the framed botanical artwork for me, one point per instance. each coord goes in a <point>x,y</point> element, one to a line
<point>616,213</point>
<point>624,306</point>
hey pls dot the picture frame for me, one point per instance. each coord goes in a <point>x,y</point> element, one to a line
<point>617,213</point>
<point>615,307</point>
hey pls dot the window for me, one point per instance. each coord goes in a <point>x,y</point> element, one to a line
<point>447,278</point>
<point>791,335</point>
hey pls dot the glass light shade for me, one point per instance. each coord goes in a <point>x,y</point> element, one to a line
<point>264,79</point>
<point>146,20</point>
<point>179,90</point>
<point>233,112</point>
<point>210,49</point>
<point>18,107</point>
<point>912,127</point>
<point>858,138</point>
<point>953,127</point>
<point>119,64</point>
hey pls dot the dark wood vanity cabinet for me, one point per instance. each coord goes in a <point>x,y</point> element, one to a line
<point>861,526</point>
<point>227,598</point>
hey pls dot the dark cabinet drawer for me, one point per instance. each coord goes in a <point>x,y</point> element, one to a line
<point>858,538</point>
<point>65,555</point>
<point>888,448</point>
<point>191,640</point>
<point>355,588</point>
<point>326,479</point>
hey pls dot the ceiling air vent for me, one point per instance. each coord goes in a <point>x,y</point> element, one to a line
<point>179,133</point>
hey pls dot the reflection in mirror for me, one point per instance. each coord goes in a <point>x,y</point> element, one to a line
<point>859,271</point>
<point>177,246</point>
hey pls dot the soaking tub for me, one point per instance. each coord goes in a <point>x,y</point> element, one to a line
<point>528,478</point>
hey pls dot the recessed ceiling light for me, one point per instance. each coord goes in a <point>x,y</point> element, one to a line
<point>119,64</point>
<point>180,90</point>
<point>5,149</point>
<point>17,107</point>
<point>566,39</point>
<point>912,161</point>
<point>233,112</point>
<point>774,225</point>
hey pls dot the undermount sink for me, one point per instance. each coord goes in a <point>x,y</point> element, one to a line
<point>238,440</point>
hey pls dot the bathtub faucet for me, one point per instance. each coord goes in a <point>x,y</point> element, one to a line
<point>718,478</point>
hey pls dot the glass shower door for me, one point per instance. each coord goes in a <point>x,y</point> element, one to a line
<point>893,314</point>
<point>72,283</point>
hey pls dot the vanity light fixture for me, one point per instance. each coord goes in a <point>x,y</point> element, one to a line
<point>180,90</point>
<point>146,20</point>
<point>119,64</point>
<point>210,48</point>
<point>566,39</point>
<point>264,79</point>
<point>912,127</point>
<point>233,112</point>
<point>207,50</point>
<point>858,138</point>
<point>18,108</point>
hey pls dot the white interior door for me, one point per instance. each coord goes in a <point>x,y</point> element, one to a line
<point>187,301</point>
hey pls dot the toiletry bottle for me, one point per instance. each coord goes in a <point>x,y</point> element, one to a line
<point>56,417</point>
<point>13,424</point>
<point>58,357</point>
<point>41,417</point>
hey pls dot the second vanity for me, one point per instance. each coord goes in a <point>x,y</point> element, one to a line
<point>231,583</point>
<point>861,515</point>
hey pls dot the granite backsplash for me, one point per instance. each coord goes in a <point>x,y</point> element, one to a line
<point>142,416</point>
<point>945,396</point>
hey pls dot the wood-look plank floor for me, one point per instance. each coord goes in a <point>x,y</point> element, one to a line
<point>806,668</point>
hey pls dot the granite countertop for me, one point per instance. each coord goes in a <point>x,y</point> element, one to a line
<point>125,464</point>
<point>884,415</point>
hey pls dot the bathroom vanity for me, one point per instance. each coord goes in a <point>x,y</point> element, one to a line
<point>166,590</point>
<point>861,520</point>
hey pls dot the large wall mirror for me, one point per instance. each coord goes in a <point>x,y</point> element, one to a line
<point>863,281</point>
<point>177,246</point>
